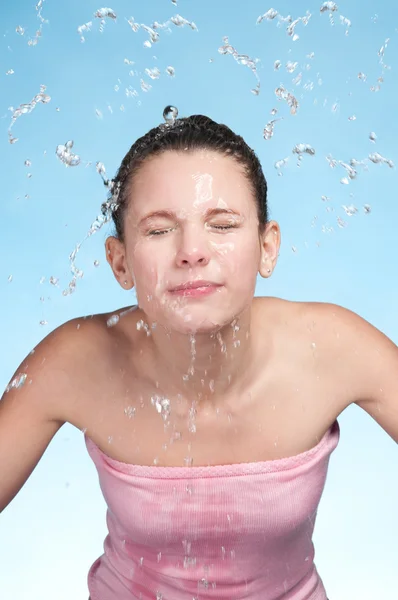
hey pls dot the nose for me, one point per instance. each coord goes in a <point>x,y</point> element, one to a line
<point>193,249</point>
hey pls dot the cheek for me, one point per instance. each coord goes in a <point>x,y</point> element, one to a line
<point>150,269</point>
<point>239,256</point>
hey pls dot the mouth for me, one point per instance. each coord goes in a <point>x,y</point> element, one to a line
<point>195,288</point>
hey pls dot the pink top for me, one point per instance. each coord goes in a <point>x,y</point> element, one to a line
<point>240,531</point>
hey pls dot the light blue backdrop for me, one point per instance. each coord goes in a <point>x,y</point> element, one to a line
<point>54,529</point>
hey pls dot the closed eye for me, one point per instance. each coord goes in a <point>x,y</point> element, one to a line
<point>159,231</point>
<point>222,227</point>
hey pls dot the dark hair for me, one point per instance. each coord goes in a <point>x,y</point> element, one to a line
<point>187,134</point>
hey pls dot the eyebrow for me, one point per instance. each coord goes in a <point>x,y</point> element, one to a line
<point>169,214</point>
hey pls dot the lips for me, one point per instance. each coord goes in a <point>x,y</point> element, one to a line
<point>194,285</point>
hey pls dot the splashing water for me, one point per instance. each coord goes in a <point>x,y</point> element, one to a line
<point>282,94</point>
<point>34,41</point>
<point>242,59</point>
<point>17,382</point>
<point>268,16</point>
<point>83,29</point>
<point>24,109</point>
<point>346,22</point>
<point>303,149</point>
<point>269,129</point>
<point>154,36</point>
<point>170,114</point>
<point>153,73</point>
<point>66,156</point>
<point>103,13</point>
<point>272,14</point>
<point>377,158</point>
<point>281,163</point>
<point>291,66</point>
<point>329,7</point>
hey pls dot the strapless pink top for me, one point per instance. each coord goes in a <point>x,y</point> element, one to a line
<point>240,531</point>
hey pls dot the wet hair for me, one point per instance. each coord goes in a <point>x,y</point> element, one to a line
<point>187,134</point>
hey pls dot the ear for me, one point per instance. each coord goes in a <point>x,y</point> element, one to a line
<point>116,256</point>
<point>270,241</point>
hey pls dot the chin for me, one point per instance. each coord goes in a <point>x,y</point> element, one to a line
<point>191,323</point>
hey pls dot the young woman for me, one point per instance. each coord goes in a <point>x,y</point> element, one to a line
<point>210,414</point>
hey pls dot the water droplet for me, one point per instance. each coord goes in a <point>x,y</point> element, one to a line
<point>283,94</point>
<point>350,210</point>
<point>130,411</point>
<point>378,159</point>
<point>170,114</point>
<point>291,66</point>
<point>269,129</point>
<point>144,86</point>
<point>162,405</point>
<point>112,321</point>
<point>268,16</point>
<point>103,13</point>
<point>17,382</point>
<point>66,156</point>
<point>303,149</point>
<point>153,73</point>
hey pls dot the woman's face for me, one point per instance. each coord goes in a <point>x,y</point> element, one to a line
<point>192,218</point>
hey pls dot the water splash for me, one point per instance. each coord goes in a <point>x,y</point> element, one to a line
<point>153,73</point>
<point>269,129</point>
<point>17,382</point>
<point>66,156</point>
<point>346,22</point>
<point>291,66</point>
<point>83,29</point>
<point>377,158</point>
<point>34,41</point>
<point>273,14</point>
<point>242,59</point>
<point>329,7</point>
<point>170,114</point>
<point>282,94</point>
<point>24,109</point>
<point>154,36</point>
<point>281,163</point>
<point>303,149</point>
<point>102,14</point>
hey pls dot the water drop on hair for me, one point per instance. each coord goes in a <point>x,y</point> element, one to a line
<point>170,114</point>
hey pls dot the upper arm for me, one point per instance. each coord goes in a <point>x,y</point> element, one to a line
<point>371,358</point>
<point>30,415</point>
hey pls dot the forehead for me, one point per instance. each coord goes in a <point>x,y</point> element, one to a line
<point>191,179</point>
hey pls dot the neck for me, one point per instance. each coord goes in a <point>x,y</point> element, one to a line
<point>202,367</point>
